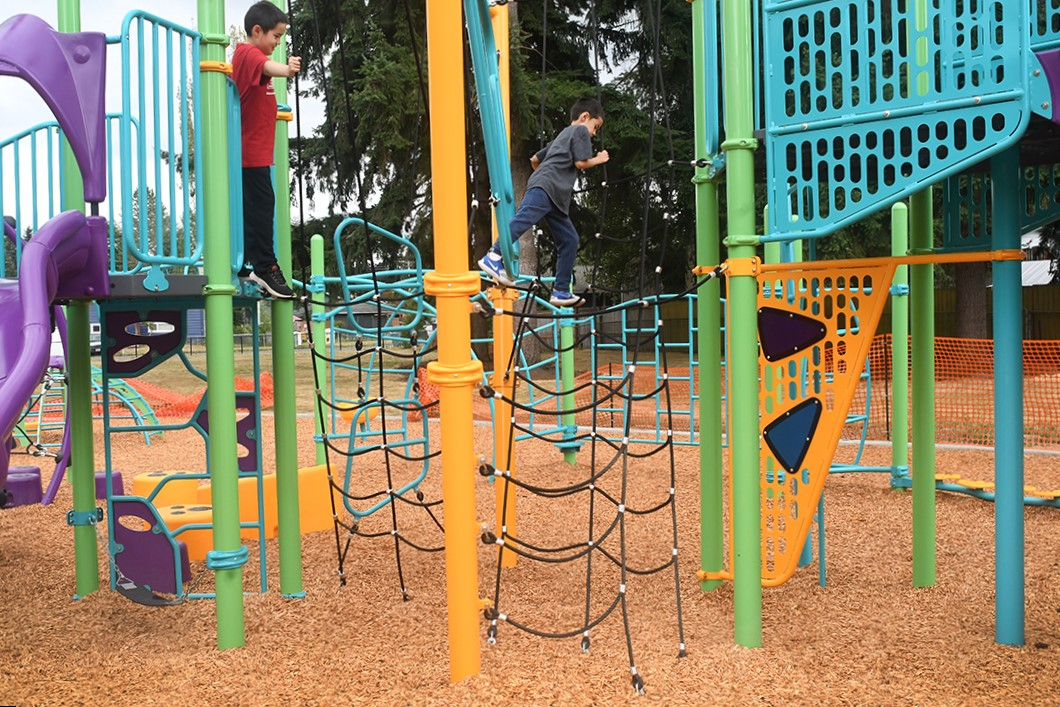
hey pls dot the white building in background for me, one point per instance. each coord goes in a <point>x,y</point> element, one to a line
<point>1037,268</point>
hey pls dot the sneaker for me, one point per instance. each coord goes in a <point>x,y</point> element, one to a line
<point>273,282</point>
<point>494,267</point>
<point>564,299</point>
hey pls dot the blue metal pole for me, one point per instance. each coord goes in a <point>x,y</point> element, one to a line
<point>1008,402</point>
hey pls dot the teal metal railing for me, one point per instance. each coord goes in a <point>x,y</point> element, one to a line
<point>29,185</point>
<point>158,169</point>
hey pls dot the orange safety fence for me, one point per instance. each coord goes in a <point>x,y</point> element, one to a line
<point>964,392</point>
<point>430,394</point>
<point>169,403</point>
<point>964,399</point>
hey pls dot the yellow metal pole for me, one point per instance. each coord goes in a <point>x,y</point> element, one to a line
<point>502,326</point>
<point>454,372</point>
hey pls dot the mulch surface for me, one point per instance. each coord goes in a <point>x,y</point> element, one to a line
<point>868,637</point>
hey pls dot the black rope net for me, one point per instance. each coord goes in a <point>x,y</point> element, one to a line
<point>380,335</point>
<point>613,507</point>
<point>613,510</point>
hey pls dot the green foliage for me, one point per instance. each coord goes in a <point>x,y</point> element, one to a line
<point>648,111</point>
<point>370,155</point>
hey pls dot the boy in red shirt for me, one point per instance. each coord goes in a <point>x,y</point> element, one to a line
<point>252,70</point>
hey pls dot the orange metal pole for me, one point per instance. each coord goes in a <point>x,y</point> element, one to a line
<point>454,372</point>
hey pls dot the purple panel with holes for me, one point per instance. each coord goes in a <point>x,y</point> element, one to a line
<point>118,326</point>
<point>147,558</point>
<point>245,427</point>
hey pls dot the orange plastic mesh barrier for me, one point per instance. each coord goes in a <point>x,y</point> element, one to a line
<point>429,396</point>
<point>642,413</point>
<point>168,403</point>
<point>964,401</point>
<point>964,392</point>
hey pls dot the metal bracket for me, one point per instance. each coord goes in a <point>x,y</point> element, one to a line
<point>84,517</point>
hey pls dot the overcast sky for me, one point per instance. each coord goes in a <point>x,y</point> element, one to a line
<point>106,16</point>
<point>97,16</point>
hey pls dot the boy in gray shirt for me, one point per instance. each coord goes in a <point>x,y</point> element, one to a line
<point>548,195</point>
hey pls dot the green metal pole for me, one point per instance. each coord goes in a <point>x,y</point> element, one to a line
<point>708,314</point>
<point>220,362</point>
<point>284,413</point>
<point>566,371</point>
<point>79,367</point>
<point>316,248</point>
<point>922,301</point>
<point>771,250</point>
<point>900,342</point>
<point>742,329</point>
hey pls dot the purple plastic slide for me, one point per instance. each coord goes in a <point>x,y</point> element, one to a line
<point>65,259</point>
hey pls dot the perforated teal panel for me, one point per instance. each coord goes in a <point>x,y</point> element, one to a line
<point>1041,189</point>
<point>867,102</point>
<point>968,213</point>
<point>1045,24</point>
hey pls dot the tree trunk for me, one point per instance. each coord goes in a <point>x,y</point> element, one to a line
<point>972,319</point>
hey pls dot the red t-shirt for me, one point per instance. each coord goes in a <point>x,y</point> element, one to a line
<point>257,101</point>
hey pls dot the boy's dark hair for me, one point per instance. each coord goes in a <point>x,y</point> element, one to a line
<point>587,105</point>
<point>263,14</point>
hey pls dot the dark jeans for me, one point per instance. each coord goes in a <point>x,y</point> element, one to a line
<point>536,207</point>
<point>259,215</point>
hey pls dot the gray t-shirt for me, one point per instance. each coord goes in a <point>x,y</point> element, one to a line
<point>555,171</point>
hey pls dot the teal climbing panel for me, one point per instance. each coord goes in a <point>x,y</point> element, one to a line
<point>868,102</point>
<point>968,214</point>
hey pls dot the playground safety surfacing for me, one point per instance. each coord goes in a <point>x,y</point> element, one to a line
<point>868,637</point>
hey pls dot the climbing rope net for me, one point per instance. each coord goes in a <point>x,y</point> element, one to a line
<point>612,511</point>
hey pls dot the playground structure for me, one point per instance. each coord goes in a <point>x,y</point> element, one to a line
<point>798,305</point>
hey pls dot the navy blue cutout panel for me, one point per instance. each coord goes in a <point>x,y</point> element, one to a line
<point>783,333</point>
<point>789,435</point>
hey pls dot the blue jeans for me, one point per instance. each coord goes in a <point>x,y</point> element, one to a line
<point>536,207</point>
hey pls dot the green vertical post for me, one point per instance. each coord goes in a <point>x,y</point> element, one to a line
<point>79,368</point>
<point>566,372</point>
<point>742,328</point>
<point>922,303</point>
<point>220,361</point>
<point>316,264</point>
<point>770,249</point>
<point>1009,563</point>
<point>284,413</point>
<point>708,316</point>
<point>900,342</point>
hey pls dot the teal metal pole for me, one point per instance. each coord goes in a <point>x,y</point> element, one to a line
<point>79,367</point>
<point>900,343</point>
<point>708,315</point>
<point>1008,403</point>
<point>922,300</point>
<point>316,263</point>
<point>220,362</point>
<point>284,413</point>
<point>743,332</point>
